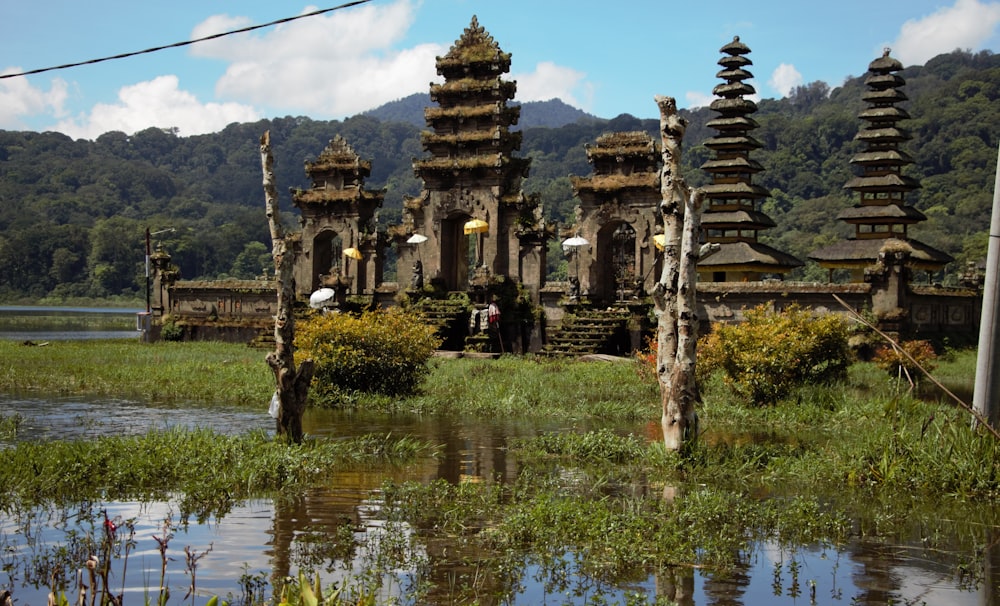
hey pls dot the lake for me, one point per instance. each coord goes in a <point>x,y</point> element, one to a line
<point>264,539</point>
<point>40,324</point>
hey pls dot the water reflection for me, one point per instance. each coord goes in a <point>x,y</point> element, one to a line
<point>334,527</point>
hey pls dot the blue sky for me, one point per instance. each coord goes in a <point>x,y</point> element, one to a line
<point>607,58</point>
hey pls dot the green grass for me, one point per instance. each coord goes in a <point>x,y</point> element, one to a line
<point>212,471</point>
<point>219,373</point>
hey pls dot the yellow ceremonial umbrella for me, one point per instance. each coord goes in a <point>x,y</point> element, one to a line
<point>351,253</point>
<point>476,226</point>
<point>660,241</point>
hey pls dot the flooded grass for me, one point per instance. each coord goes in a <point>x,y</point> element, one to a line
<point>218,373</point>
<point>590,512</point>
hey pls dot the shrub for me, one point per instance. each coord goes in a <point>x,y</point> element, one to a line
<point>770,353</point>
<point>382,351</point>
<point>895,360</point>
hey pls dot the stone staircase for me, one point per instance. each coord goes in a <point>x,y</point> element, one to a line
<point>449,317</point>
<point>590,331</point>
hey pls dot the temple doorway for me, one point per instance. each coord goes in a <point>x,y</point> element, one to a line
<point>328,248</point>
<point>457,253</point>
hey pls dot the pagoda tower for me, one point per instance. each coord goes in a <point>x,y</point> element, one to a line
<point>477,222</point>
<point>339,245</point>
<point>731,217</point>
<point>881,216</point>
<point>618,216</point>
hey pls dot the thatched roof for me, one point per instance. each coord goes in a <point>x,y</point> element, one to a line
<point>865,252</point>
<point>735,190</point>
<point>474,46</point>
<point>650,180</point>
<point>750,256</point>
<point>736,219</point>
<point>733,89</point>
<point>889,182</point>
<point>890,213</point>
<point>885,64</point>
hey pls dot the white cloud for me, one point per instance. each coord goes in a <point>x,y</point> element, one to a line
<point>966,25</point>
<point>327,66</point>
<point>158,102</point>
<point>784,79</point>
<point>551,81</point>
<point>18,99</point>
<point>697,99</point>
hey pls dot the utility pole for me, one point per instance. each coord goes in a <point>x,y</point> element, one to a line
<point>987,386</point>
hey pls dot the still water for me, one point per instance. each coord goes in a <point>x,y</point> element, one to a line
<point>265,538</point>
<point>40,324</point>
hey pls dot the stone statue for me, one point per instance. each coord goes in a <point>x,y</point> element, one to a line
<point>417,281</point>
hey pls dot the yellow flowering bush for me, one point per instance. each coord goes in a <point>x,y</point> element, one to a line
<point>381,351</point>
<point>772,352</point>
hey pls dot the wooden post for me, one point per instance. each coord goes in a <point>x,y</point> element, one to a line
<point>292,385</point>
<point>674,296</point>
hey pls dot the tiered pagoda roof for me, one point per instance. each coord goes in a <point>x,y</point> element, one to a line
<point>621,161</point>
<point>881,216</point>
<point>731,217</point>
<point>338,176</point>
<point>471,125</point>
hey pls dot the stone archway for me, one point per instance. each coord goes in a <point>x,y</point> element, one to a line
<point>327,256</point>
<point>614,265</point>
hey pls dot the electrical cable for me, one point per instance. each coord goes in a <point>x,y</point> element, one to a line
<point>185,43</point>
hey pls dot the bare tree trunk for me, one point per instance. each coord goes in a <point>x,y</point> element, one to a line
<point>292,385</point>
<point>674,295</point>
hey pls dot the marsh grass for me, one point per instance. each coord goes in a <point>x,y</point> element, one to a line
<point>218,373</point>
<point>591,509</point>
<point>210,471</point>
<point>536,387</point>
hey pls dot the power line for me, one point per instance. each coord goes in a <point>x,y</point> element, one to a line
<point>186,42</point>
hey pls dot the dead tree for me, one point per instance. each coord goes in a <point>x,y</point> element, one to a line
<point>292,386</point>
<point>674,295</point>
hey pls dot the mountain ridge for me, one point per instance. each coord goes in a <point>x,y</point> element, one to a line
<point>553,113</point>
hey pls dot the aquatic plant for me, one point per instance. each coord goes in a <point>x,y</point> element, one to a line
<point>210,471</point>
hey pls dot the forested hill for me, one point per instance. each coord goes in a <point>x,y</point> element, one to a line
<point>73,213</point>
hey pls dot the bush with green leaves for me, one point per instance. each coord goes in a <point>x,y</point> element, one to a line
<point>381,351</point>
<point>770,353</point>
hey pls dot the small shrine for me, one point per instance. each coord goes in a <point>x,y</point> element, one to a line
<point>881,216</point>
<point>471,225</point>
<point>611,249</point>
<point>339,246</point>
<point>731,216</point>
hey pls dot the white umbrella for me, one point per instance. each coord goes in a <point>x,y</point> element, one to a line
<point>416,239</point>
<point>321,297</point>
<point>576,242</point>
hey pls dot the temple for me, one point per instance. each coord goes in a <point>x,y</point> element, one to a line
<point>471,238</point>
<point>618,218</point>
<point>732,217</point>
<point>472,226</point>
<point>339,246</point>
<point>881,215</point>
